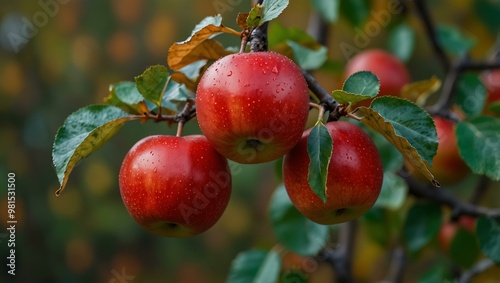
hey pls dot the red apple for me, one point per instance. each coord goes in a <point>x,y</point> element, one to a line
<point>354,176</point>
<point>252,107</point>
<point>175,186</point>
<point>491,81</point>
<point>449,230</point>
<point>390,70</point>
<point>447,166</point>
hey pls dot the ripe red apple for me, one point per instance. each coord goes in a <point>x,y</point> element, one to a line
<point>447,166</point>
<point>252,107</point>
<point>390,70</point>
<point>175,186</point>
<point>491,81</point>
<point>354,176</point>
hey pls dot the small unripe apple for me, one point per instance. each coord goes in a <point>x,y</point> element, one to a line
<point>354,177</point>
<point>175,186</point>
<point>252,107</point>
<point>389,69</point>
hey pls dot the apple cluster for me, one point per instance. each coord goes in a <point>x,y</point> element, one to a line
<point>251,108</point>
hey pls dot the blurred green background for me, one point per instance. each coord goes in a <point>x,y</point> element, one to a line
<point>77,49</point>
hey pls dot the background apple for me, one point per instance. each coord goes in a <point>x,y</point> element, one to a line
<point>175,186</point>
<point>390,70</point>
<point>354,176</point>
<point>449,230</point>
<point>491,81</point>
<point>252,107</point>
<point>447,166</point>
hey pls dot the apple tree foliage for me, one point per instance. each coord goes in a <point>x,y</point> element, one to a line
<point>400,127</point>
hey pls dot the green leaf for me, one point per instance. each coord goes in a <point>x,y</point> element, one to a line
<point>402,41</point>
<point>407,127</point>
<point>253,266</point>
<point>328,9</point>
<point>292,229</point>
<point>437,273</point>
<point>453,40</point>
<point>356,11</point>
<point>422,225</point>
<point>488,11</point>
<point>465,257</point>
<point>306,58</point>
<point>357,87</point>
<point>377,225</point>
<point>272,9</point>
<point>126,96</point>
<point>319,149</point>
<point>471,94</point>
<point>280,36</point>
<point>83,132</point>
<point>393,193</point>
<point>494,107</point>
<point>151,84</point>
<point>363,82</point>
<point>254,18</point>
<point>270,269</point>
<point>478,141</point>
<point>487,230</point>
<point>176,96</point>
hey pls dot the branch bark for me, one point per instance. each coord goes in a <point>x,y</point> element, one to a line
<point>458,206</point>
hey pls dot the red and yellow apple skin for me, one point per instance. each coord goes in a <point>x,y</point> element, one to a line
<point>390,70</point>
<point>175,186</point>
<point>354,179</point>
<point>252,107</point>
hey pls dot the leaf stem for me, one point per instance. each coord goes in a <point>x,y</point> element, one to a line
<point>321,111</point>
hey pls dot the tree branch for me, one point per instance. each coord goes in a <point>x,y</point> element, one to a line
<point>431,33</point>
<point>318,28</point>
<point>475,270</point>
<point>398,263</point>
<point>341,258</point>
<point>458,206</point>
<point>325,99</point>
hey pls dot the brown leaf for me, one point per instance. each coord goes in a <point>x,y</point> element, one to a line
<point>183,79</point>
<point>241,20</point>
<point>373,119</point>
<point>418,92</point>
<point>198,47</point>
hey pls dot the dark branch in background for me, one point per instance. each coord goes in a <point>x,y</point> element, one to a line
<point>431,33</point>
<point>341,258</point>
<point>481,266</point>
<point>397,265</point>
<point>457,206</point>
<point>318,28</point>
<point>449,87</point>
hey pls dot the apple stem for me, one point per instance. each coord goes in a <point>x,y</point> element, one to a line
<point>180,126</point>
<point>321,110</point>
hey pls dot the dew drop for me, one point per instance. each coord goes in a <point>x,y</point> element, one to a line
<point>230,73</point>
<point>275,70</point>
<point>154,170</point>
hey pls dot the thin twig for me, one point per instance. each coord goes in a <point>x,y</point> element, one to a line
<point>432,35</point>
<point>441,196</point>
<point>396,268</point>
<point>475,270</point>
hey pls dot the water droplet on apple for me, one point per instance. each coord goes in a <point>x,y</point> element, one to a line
<point>230,73</point>
<point>154,170</point>
<point>275,70</point>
